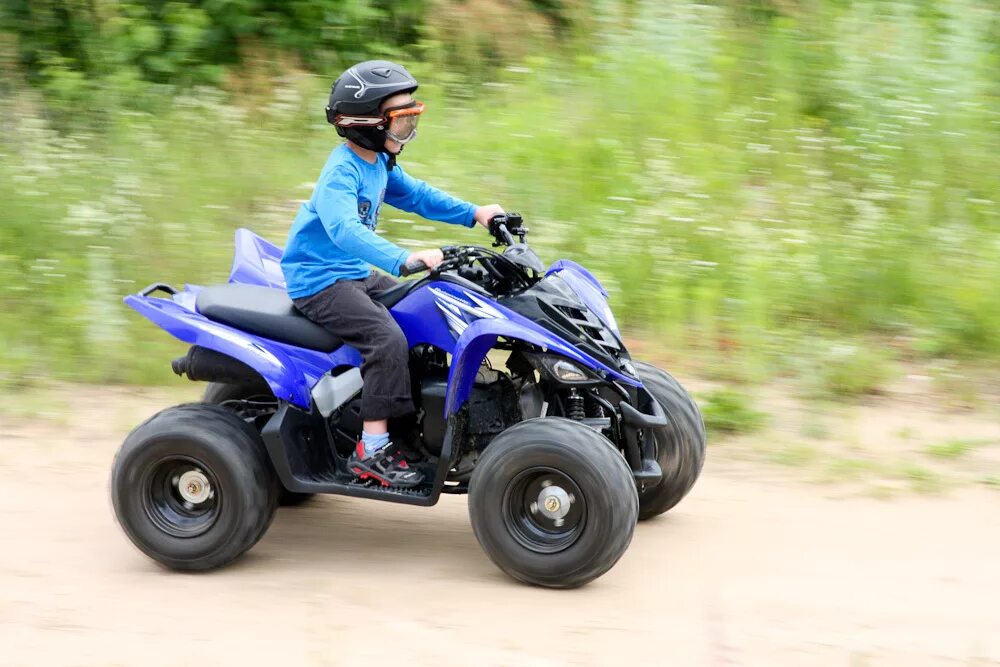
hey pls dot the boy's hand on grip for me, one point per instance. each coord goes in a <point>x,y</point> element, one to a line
<point>484,213</point>
<point>422,259</point>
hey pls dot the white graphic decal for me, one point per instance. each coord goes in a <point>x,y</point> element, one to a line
<point>365,85</point>
<point>347,121</point>
<point>460,314</point>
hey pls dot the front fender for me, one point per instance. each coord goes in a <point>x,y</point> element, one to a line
<point>288,371</point>
<point>480,337</point>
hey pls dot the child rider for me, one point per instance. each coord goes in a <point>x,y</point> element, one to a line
<point>333,241</point>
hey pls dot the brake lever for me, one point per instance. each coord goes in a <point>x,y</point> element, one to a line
<point>448,264</point>
<point>520,232</point>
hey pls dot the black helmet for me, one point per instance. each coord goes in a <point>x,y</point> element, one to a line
<point>356,96</point>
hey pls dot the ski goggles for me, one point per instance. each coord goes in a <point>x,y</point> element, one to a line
<point>401,121</point>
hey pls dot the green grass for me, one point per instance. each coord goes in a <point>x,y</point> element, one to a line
<point>728,411</point>
<point>794,455</point>
<point>921,479</point>
<point>991,481</point>
<point>850,469</point>
<point>767,194</point>
<point>852,370</point>
<point>953,449</point>
<point>854,470</point>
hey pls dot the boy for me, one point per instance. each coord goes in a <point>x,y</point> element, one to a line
<point>333,241</point>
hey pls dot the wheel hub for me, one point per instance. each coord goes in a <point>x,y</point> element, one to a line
<point>194,487</point>
<point>544,509</point>
<point>181,495</point>
<point>554,503</point>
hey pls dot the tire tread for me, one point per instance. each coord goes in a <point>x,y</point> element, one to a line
<point>687,432</point>
<point>207,424</point>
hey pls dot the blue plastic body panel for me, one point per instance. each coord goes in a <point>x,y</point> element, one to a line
<point>440,313</point>
<point>256,261</point>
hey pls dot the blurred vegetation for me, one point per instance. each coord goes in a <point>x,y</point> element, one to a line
<point>749,178</point>
<point>726,411</point>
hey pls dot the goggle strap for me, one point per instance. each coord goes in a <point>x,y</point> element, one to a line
<point>352,121</point>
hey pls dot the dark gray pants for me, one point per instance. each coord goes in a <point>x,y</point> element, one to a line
<point>347,310</point>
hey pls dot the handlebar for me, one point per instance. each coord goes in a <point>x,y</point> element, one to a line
<point>505,226</point>
<point>449,252</point>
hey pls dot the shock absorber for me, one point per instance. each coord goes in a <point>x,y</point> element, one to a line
<point>594,409</point>
<point>574,405</point>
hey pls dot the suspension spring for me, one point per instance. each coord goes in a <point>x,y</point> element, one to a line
<point>574,405</point>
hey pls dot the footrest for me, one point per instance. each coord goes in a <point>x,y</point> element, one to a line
<point>420,491</point>
<point>305,465</point>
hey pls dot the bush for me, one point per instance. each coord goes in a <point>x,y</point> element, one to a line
<point>852,370</point>
<point>782,180</point>
<point>727,411</point>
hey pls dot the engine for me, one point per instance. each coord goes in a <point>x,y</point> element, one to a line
<point>493,406</point>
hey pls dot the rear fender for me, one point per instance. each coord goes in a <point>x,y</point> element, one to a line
<point>256,261</point>
<point>480,337</point>
<point>289,371</point>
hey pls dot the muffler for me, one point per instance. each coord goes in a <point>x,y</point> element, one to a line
<point>206,365</point>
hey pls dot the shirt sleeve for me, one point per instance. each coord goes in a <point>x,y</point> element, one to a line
<point>414,196</point>
<point>337,206</point>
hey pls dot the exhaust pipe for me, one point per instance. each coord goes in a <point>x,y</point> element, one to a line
<point>202,364</point>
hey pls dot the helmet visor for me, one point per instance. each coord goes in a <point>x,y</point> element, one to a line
<point>402,121</point>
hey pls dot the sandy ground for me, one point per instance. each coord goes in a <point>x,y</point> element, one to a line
<point>753,568</point>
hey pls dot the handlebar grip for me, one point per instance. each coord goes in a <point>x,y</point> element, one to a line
<point>410,269</point>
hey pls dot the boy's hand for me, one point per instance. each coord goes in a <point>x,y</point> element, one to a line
<point>430,258</point>
<point>484,213</point>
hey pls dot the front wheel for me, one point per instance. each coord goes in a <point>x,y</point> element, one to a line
<point>680,445</point>
<point>552,503</point>
<point>192,487</point>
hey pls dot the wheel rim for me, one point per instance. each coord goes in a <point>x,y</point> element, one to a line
<point>544,510</point>
<point>181,496</point>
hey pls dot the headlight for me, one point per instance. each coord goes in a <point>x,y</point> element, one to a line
<point>567,371</point>
<point>562,369</point>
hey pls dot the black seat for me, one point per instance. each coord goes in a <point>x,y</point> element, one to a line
<point>266,312</point>
<point>394,294</point>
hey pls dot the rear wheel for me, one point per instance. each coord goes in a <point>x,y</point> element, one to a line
<point>192,487</point>
<point>234,398</point>
<point>680,445</point>
<point>552,503</point>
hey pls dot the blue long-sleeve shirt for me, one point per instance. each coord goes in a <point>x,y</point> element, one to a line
<point>333,237</point>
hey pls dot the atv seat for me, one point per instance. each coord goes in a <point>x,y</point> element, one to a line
<point>265,312</point>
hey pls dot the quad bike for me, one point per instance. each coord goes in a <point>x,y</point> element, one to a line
<point>560,453</point>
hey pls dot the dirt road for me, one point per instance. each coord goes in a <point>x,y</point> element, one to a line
<point>751,569</point>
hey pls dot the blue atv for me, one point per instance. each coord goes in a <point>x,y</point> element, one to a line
<point>561,451</point>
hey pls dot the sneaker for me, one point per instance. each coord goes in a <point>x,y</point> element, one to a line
<point>387,466</point>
